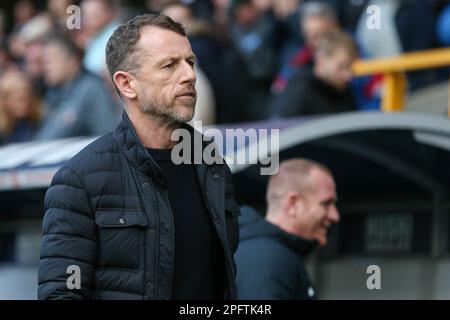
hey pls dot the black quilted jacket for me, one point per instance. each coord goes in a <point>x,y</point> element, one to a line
<point>107,212</point>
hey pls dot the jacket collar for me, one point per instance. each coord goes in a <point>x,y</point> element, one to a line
<point>133,149</point>
<point>253,225</point>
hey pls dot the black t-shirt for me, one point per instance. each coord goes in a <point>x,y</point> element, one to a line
<point>199,267</point>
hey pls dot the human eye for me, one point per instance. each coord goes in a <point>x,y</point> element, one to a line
<point>329,202</point>
<point>168,65</point>
<point>191,62</point>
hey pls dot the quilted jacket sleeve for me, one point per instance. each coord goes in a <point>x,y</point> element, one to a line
<point>69,241</point>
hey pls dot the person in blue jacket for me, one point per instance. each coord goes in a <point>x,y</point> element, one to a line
<point>270,259</point>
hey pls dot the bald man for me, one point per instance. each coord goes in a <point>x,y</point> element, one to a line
<point>301,207</point>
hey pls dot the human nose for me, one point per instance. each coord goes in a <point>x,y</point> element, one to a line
<point>188,73</point>
<point>333,214</point>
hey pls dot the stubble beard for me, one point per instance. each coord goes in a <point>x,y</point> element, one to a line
<point>166,114</point>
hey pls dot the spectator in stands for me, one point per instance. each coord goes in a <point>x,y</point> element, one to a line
<point>317,18</point>
<point>301,200</point>
<point>58,12</point>
<point>33,64</point>
<point>98,23</point>
<point>20,107</point>
<point>407,25</point>
<point>325,87</point>
<point>289,36</point>
<point>16,47</point>
<point>349,12</point>
<point>28,31</point>
<point>78,102</point>
<point>4,56</point>
<point>32,35</point>
<point>24,10</point>
<point>253,33</point>
<point>221,17</point>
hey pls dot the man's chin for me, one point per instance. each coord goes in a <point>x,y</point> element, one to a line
<point>185,114</point>
<point>322,238</point>
<point>184,119</point>
<point>180,114</point>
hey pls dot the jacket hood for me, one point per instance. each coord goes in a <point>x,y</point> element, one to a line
<point>253,225</point>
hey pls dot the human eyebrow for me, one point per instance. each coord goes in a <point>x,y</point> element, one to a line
<point>192,57</point>
<point>166,60</point>
<point>170,59</point>
<point>329,201</point>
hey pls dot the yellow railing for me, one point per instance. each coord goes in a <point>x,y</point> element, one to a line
<point>394,69</point>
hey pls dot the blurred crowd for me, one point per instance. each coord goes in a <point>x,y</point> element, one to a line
<point>256,59</point>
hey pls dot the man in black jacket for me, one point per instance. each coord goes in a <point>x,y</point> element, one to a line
<point>122,220</point>
<point>301,201</point>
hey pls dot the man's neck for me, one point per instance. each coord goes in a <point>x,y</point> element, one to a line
<point>272,218</point>
<point>153,133</point>
<point>276,219</point>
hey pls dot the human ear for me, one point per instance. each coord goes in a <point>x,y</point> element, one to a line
<point>125,83</point>
<point>294,203</point>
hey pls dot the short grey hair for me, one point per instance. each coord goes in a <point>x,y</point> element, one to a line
<point>121,51</point>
